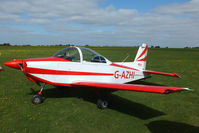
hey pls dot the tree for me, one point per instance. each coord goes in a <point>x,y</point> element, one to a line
<point>5,44</point>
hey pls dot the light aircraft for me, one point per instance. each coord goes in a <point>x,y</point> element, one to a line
<point>80,66</point>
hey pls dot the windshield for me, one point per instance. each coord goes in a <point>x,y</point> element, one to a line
<point>70,53</point>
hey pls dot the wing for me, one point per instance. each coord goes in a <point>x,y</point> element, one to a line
<point>162,73</point>
<point>131,87</point>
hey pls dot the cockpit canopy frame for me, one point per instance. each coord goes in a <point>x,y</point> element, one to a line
<point>81,54</point>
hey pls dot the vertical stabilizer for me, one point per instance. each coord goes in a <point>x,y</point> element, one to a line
<point>141,57</point>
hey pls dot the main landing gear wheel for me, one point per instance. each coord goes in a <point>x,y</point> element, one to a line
<point>102,104</point>
<point>37,99</point>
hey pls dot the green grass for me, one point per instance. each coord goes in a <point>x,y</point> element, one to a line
<point>69,110</point>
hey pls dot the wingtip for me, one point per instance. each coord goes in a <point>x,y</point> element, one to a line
<point>176,75</point>
<point>187,89</point>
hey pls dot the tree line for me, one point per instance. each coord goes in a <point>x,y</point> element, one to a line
<point>8,44</point>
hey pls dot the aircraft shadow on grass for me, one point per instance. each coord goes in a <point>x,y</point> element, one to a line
<point>115,102</point>
<point>164,126</point>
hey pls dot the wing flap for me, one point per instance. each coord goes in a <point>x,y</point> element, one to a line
<point>132,87</point>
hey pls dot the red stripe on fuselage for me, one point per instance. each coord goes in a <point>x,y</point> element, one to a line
<point>121,66</point>
<point>59,72</point>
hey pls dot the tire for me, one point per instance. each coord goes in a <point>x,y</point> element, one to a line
<point>37,99</point>
<point>102,104</point>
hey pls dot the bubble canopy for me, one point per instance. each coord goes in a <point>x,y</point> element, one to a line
<point>81,54</point>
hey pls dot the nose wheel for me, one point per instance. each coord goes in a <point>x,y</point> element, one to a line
<point>37,99</point>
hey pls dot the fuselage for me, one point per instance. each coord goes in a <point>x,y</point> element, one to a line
<point>66,72</point>
<point>57,71</point>
<point>75,64</point>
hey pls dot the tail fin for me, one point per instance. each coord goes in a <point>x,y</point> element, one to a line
<point>141,57</point>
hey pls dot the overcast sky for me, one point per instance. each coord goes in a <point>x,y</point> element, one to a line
<point>172,23</point>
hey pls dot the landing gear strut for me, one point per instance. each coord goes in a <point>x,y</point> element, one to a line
<point>37,99</point>
<point>101,103</point>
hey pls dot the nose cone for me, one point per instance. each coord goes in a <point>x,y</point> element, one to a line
<point>14,63</point>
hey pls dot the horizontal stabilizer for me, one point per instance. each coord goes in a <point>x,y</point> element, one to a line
<point>163,73</point>
<point>132,87</point>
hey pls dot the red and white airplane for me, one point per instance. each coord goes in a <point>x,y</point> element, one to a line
<point>80,66</point>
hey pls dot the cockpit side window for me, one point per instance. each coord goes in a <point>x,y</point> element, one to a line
<point>91,56</point>
<point>102,59</point>
<point>87,54</point>
<point>71,54</point>
<point>99,59</point>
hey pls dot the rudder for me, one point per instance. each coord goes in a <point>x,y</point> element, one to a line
<point>141,57</point>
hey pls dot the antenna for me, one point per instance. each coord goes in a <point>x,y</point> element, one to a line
<point>125,58</point>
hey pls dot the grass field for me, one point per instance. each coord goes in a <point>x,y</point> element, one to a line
<point>69,110</point>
